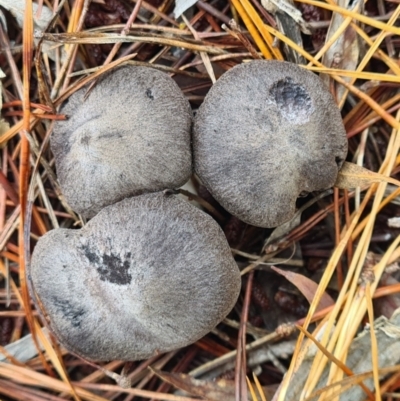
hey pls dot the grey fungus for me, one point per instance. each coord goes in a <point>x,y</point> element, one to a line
<point>146,275</point>
<point>267,132</point>
<point>150,273</point>
<point>131,135</point>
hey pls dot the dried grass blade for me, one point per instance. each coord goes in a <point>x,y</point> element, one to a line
<point>252,392</point>
<point>366,120</point>
<point>370,102</point>
<point>330,269</point>
<point>23,241</point>
<point>336,361</point>
<point>75,15</point>
<point>74,18</point>
<point>12,283</point>
<point>355,307</point>
<point>387,200</point>
<point>252,29</point>
<point>38,220</point>
<point>374,342</point>
<point>204,56</point>
<point>347,383</point>
<point>8,189</point>
<point>261,27</point>
<point>359,17</point>
<point>18,127</point>
<point>241,356</point>
<point>104,38</point>
<point>56,360</point>
<point>357,74</point>
<point>259,388</point>
<point>235,31</point>
<point>134,391</point>
<point>11,224</point>
<point>390,62</point>
<point>43,339</point>
<point>31,377</point>
<point>24,156</point>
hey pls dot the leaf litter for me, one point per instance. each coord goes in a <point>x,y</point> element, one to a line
<point>353,47</point>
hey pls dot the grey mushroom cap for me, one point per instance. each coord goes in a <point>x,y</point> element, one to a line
<point>266,132</point>
<point>130,136</point>
<point>147,275</point>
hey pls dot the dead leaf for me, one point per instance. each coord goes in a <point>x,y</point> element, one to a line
<point>306,286</point>
<point>214,391</point>
<point>352,176</point>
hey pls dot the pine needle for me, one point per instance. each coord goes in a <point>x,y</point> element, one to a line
<point>259,388</point>
<point>374,343</point>
<point>261,27</point>
<point>357,16</point>
<point>357,74</point>
<point>252,29</point>
<point>251,388</point>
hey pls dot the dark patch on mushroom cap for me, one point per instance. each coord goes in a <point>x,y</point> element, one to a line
<point>292,99</point>
<point>72,312</point>
<point>266,132</point>
<point>130,136</point>
<point>112,268</point>
<point>183,279</point>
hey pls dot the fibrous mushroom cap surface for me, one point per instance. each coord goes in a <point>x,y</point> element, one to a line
<point>149,274</point>
<point>130,136</point>
<point>266,132</point>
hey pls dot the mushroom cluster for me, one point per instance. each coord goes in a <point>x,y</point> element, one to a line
<point>149,272</point>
